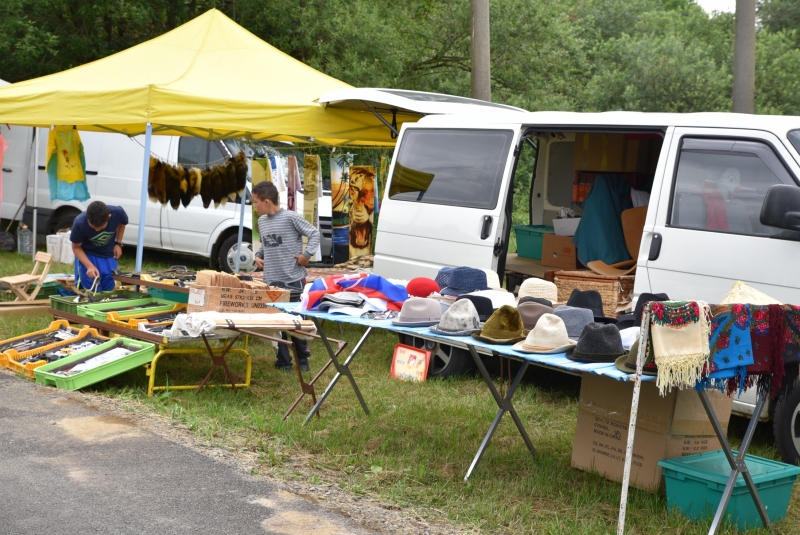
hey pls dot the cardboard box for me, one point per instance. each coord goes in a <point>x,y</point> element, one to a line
<point>673,426</point>
<point>558,251</point>
<point>566,227</point>
<point>242,300</point>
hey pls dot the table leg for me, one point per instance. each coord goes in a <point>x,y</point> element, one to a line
<point>504,405</point>
<point>341,369</point>
<point>738,464</point>
<point>218,361</point>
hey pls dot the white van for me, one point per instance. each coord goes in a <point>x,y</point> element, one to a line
<point>460,214</point>
<point>114,176</point>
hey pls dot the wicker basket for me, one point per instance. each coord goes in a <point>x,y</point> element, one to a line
<point>613,290</point>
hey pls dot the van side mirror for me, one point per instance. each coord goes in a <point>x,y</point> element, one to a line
<point>781,208</point>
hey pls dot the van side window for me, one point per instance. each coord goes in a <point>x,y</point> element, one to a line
<point>721,184</point>
<point>192,151</point>
<point>451,167</point>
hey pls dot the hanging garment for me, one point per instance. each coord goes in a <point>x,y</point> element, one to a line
<point>731,349</point>
<point>679,331</point>
<point>276,173</point>
<point>639,198</point>
<point>3,149</point>
<point>66,165</point>
<point>716,217</point>
<point>293,184</point>
<point>599,235</point>
<point>767,337</point>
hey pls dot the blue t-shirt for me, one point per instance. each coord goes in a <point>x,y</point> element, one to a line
<point>98,243</point>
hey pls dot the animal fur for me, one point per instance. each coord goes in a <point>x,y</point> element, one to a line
<point>186,187</point>
<point>205,187</point>
<point>174,176</point>
<point>151,178</point>
<point>240,163</point>
<point>160,183</point>
<point>230,171</point>
<point>218,178</point>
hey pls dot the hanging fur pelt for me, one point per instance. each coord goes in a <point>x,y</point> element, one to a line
<point>218,179</point>
<point>178,185</point>
<point>205,187</point>
<point>240,162</point>
<point>193,179</point>
<point>151,178</point>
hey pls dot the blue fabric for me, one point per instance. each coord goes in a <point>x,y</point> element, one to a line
<point>104,265</point>
<point>599,235</point>
<point>98,243</point>
<point>393,292</point>
<point>63,190</point>
<point>731,347</point>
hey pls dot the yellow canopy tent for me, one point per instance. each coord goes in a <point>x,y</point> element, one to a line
<point>208,78</point>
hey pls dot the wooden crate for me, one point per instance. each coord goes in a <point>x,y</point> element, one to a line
<point>613,290</point>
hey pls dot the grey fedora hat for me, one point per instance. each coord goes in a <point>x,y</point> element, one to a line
<point>575,319</point>
<point>461,319</point>
<point>419,312</point>
<point>530,314</point>
<point>598,343</point>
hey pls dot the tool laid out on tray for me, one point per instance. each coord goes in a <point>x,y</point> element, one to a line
<point>39,340</point>
<point>65,351</point>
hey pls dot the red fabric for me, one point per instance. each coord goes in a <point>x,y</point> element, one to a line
<point>332,286</point>
<point>716,218</point>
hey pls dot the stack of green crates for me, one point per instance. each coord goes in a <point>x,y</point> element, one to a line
<point>98,311</point>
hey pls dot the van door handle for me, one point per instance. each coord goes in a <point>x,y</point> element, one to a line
<point>487,227</point>
<point>655,247</point>
<point>7,170</point>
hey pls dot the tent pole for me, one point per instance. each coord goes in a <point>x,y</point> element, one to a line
<point>243,207</point>
<point>143,201</point>
<point>35,186</point>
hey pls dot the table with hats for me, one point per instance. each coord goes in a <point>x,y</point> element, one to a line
<point>676,345</point>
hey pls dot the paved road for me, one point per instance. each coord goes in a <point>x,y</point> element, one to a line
<point>67,468</point>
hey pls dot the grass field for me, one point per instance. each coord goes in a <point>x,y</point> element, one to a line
<point>415,447</point>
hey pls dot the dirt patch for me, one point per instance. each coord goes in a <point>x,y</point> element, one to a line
<point>98,429</point>
<point>296,523</point>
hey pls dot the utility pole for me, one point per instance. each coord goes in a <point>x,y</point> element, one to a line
<point>744,57</point>
<point>481,58</point>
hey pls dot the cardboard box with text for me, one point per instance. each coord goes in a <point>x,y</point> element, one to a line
<point>241,300</point>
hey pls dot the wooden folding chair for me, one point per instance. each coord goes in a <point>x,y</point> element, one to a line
<point>632,228</point>
<point>19,284</point>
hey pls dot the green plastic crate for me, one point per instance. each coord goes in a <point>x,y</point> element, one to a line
<point>98,311</point>
<point>529,239</point>
<point>168,295</point>
<point>143,354</point>
<point>67,303</point>
<point>695,484</point>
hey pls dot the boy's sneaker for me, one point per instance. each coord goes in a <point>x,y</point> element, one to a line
<point>281,367</point>
<point>304,366</point>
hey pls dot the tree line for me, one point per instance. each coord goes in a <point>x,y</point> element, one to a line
<point>582,55</point>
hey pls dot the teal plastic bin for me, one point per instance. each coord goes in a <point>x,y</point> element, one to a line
<point>68,304</point>
<point>143,353</point>
<point>529,239</point>
<point>168,295</point>
<point>695,484</point>
<point>98,311</point>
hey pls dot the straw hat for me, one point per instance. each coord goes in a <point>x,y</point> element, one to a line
<point>492,280</point>
<point>548,336</point>
<point>742,293</point>
<point>534,287</point>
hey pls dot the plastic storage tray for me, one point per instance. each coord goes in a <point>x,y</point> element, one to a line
<point>99,311</point>
<point>143,354</point>
<point>54,326</point>
<point>168,295</point>
<point>29,367</point>
<point>529,239</point>
<point>68,304</point>
<point>695,484</point>
<point>133,321</point>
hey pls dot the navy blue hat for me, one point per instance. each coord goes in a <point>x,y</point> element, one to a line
<point>443,277</point>
<point>464,280</point>
<point>592,300</point>
<point>482,304</point>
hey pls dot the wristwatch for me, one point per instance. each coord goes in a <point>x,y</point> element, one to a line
<point>118,243</point>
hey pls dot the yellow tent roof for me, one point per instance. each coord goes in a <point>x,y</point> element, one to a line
<point>209,78</point>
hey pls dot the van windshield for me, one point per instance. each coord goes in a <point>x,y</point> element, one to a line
<point>451,167</point>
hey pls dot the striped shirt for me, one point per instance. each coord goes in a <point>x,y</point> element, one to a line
<point>282,238</point>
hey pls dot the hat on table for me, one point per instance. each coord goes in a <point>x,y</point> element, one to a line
<point>592,300</point>
<point>421,287</point>
<point>534,287</point>
<point>461,319</point>
<point>443,277</point>
<point>529,299</point>
<point>497,297</point>
<point>464,280</point>
<point>503,327</point>
<point>419,312</point>
<point>482,304</point>
<point>598,343</point>
<point>626,321</point>
<point>530,314</point>
<point>575,319</point>
<point>492,280</point>
<point>627,363</point>
<point>548,336</point>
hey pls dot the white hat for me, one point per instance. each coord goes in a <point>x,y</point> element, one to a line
<point>492,280</point>
<point>549,335</point>
<point>498,297</point>
<point>742,293</point>
<point>534,287</point>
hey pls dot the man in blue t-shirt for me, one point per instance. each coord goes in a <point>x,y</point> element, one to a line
<point>97,243</point>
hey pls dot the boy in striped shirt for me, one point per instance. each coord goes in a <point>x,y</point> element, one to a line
<point>282,257</point>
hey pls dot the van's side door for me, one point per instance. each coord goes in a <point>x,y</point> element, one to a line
<point>445,198</point>
<point>707,218</point>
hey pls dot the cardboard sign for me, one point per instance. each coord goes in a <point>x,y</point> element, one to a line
<point>244,300</point>
<point>410,363</point>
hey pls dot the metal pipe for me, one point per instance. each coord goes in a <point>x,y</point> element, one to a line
<point>143,200</point>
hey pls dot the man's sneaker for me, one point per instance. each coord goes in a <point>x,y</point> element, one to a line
<point>281,367</point>
<point>305,367</point>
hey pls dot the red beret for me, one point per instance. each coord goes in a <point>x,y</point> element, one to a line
<point>421,287</point>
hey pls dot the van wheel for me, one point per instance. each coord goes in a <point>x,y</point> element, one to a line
<point>446,361</point>
<point>64,221</point>
<point>786,424</point>
<point>226,256</point>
